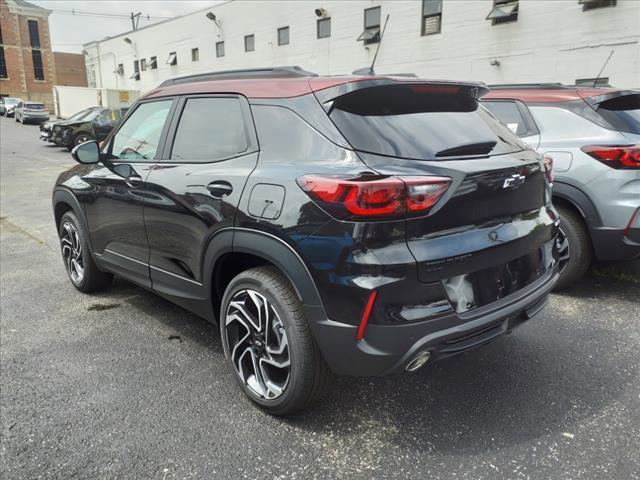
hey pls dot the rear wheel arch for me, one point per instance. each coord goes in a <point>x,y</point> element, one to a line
<point>577,200</point>
<point>235,250</point>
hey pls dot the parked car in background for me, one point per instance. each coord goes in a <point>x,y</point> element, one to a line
<point>364,225</point>
<point>8,105</point>
<point>46,128</point>
<point>31,112</point>
<point>592,134</point>
<point>96,125</point>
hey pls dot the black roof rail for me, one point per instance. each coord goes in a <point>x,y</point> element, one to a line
<point>528,85</point>
<point>273,72</point>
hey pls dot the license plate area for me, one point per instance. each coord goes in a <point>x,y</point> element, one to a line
<point>483,287</point>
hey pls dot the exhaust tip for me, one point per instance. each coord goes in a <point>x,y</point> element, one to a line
<point>418,361</point>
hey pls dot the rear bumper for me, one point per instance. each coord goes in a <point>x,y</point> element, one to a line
<point>611,244</point>
<point>389,348</point>
<point>35,117</point>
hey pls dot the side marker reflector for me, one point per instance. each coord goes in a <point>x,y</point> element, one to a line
<point>365,315</point>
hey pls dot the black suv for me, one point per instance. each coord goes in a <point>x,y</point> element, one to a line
<point>96,124</point>
<point>360,225</point>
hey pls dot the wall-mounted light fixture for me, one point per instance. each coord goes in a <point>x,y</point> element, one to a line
<point>212,16</point>
<point>321,13</point>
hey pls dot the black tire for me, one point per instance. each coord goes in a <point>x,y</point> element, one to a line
<point>308,374</point>
<point>79,138</point>
<point>93,279</point>
<point>580,249</point>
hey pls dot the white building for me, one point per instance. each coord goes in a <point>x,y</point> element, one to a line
<point>531,41</point>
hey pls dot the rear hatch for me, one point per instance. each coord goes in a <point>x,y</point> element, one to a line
<point>489,234</point>
<point>34,107</point>
<point>620,111</point>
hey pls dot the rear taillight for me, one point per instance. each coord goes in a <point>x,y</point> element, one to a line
<point>374,196</point>
<point>618,157</point>
<point>548,167</point>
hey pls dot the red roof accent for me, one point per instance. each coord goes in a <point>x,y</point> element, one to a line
<point>266,87</point>
<point>545,95</point>
<point>256,88</point>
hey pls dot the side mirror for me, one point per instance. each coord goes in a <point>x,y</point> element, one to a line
<point>86,153</point>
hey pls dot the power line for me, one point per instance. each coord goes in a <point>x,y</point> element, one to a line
<point>81,13</point>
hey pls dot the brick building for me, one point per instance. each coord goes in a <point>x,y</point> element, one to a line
<point>70,69</point>
<point>27,65</point>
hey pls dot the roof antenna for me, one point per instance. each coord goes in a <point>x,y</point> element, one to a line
<point>370,70</point>
<point>602,69</point>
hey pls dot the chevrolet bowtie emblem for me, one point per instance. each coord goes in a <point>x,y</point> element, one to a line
<point>513,181</point>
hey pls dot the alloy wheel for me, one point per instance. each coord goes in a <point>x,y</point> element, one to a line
<point>562,244</point>
<point>72,252</point>
<point>257,344</point>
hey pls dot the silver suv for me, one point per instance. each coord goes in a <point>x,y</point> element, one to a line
<point>592,137</point>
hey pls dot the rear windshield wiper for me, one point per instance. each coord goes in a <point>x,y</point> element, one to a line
<point>481,148</point>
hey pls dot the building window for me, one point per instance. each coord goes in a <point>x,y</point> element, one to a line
<point>195,55</point>
<point>283,36</point>
<point>591,4</point>
<point>136,71</point>
<point>153,63</point>
<point>143,64</point>
<point>593,82</point>
<point>431,17</point>
<point>173,59</point>
<point>34,35</point>
<point>324,28</point>
<point>371,32</point>
<point>219,49</point>
<point>38,70</point>
<point>3,64</point>
<point>120,70</point>
<point>249,43</point>
<point>503,11</point>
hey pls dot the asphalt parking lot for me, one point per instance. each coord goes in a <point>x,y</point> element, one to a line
<point>126,385</point>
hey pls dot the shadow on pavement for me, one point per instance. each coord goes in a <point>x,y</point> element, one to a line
<point>532,383</point>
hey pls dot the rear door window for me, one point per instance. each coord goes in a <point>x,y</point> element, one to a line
<point>514,115</point>
<point>421,121</point>
<point>622,113</point>
<point>210,129</point>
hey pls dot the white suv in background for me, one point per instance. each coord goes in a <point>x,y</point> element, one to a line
<point>34,112</point>
<point>593,136</point>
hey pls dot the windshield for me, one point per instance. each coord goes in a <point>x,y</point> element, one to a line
<point>421,121</point>
<point>11,101</point>
<point>622,113</point>
<point>93,114</point>
<point>80,115</point>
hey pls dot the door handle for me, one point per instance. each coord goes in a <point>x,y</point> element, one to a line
<point>133,181</point>
<point>220,188</point>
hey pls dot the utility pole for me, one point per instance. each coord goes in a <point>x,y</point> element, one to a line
<point>135,19</point>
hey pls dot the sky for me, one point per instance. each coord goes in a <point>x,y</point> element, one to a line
<point>69,32</point>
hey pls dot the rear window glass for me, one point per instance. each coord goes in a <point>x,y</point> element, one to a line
<point>421,121</point>
<point>34,106</point>
<point>622,113</point>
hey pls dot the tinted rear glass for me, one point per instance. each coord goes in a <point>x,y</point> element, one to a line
<point>622,113</point>
<point>210,129</point>
<point>34,106</point>
<point>421,121</point>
